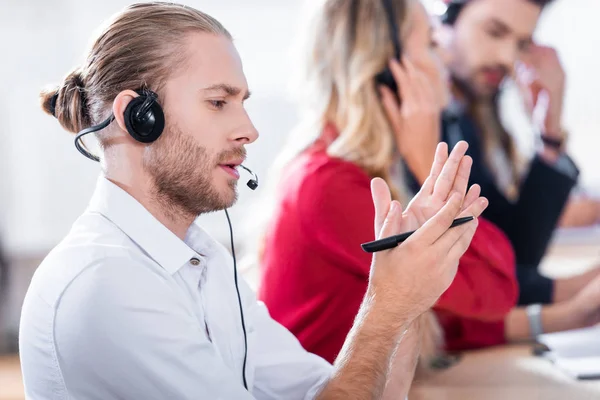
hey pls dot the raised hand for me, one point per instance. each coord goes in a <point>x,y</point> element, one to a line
<point>448,175</point>
<point>541,79</point>
<point>416,121</point>
<point>410,278</point>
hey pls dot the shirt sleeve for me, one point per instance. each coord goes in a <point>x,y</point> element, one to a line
<point>566,166</point>
<point>485,287</point>
<point>123,332</point>
<point>543,195</point>
<point>282,367</point>
<point>534,287</point>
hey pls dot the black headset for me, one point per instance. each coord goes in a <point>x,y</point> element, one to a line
<point>145,122</point>
<point>453,9</point>
<point>386,77</point>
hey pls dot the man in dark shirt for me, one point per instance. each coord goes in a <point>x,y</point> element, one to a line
<point>488,41</point>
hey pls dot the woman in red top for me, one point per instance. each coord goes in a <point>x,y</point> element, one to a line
<point>314,272</point>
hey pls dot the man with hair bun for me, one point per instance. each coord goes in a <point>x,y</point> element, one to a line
<point>138,302</point>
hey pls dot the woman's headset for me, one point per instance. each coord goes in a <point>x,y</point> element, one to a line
<point>453,9</point>
<point>385,77</point>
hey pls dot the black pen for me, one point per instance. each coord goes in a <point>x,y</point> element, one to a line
<point>393,241</point>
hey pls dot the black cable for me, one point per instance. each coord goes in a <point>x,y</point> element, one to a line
<point>79,145</point>
<point>237,289</point>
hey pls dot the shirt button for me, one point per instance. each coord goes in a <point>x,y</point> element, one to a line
<point>194,261</point>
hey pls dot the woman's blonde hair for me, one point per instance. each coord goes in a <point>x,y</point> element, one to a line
<point>343,46</point>
<point>347,44</point>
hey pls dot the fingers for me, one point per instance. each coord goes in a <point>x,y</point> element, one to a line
<point>417,86</point>
<point>538,55</point>
<point>382,199</point>
<point>445,181</point>
<point>391,107</point>
<point>524,73</point>
<point>457,240</point>
<point>460,236</point>
<point>465,235</point>
<point>423,90</point>
<point>393,221</point>
<point>461,182</point>
<point>437,225</point>
<point>441,156</point>
<point>476,208</point>
<point>472,195</point>
<point>402,80</point>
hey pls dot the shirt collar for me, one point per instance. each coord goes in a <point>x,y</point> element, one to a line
<point>162,245</point>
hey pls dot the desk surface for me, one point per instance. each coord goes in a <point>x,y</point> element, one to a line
<point>512,372</point>
<point>508,372</point>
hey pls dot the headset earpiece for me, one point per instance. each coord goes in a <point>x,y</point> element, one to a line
<point>144,117</point>
<point>386,77</point>
<point>453,9</point>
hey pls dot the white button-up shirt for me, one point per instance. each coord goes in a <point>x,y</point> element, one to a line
<point>124,309</point>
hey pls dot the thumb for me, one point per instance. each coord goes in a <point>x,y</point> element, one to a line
<point>393,221</point>
<point>382,199</point>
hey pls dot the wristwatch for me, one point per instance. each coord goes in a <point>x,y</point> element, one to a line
<point>554,142</point>
<point>534,314</point>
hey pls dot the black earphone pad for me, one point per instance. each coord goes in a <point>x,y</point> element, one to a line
<point>386,78</point>
<point>150,126</point>
<point>451,15</point>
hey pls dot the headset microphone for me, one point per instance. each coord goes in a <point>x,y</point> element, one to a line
<point>252,183</point>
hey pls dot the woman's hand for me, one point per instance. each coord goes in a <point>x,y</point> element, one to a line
<point>416,120</point>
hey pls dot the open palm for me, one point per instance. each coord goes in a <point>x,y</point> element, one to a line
<point>449,175</point>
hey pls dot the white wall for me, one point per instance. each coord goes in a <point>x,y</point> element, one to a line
<point>41,40</point>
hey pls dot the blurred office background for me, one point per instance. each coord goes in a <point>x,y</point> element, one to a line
<point>45,183</point>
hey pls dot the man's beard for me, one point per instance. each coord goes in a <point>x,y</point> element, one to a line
<point>182,172</point>
<point>469,88</point>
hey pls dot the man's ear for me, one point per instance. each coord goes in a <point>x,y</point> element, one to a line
<point>443,34</point>
<point>120,104</point>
